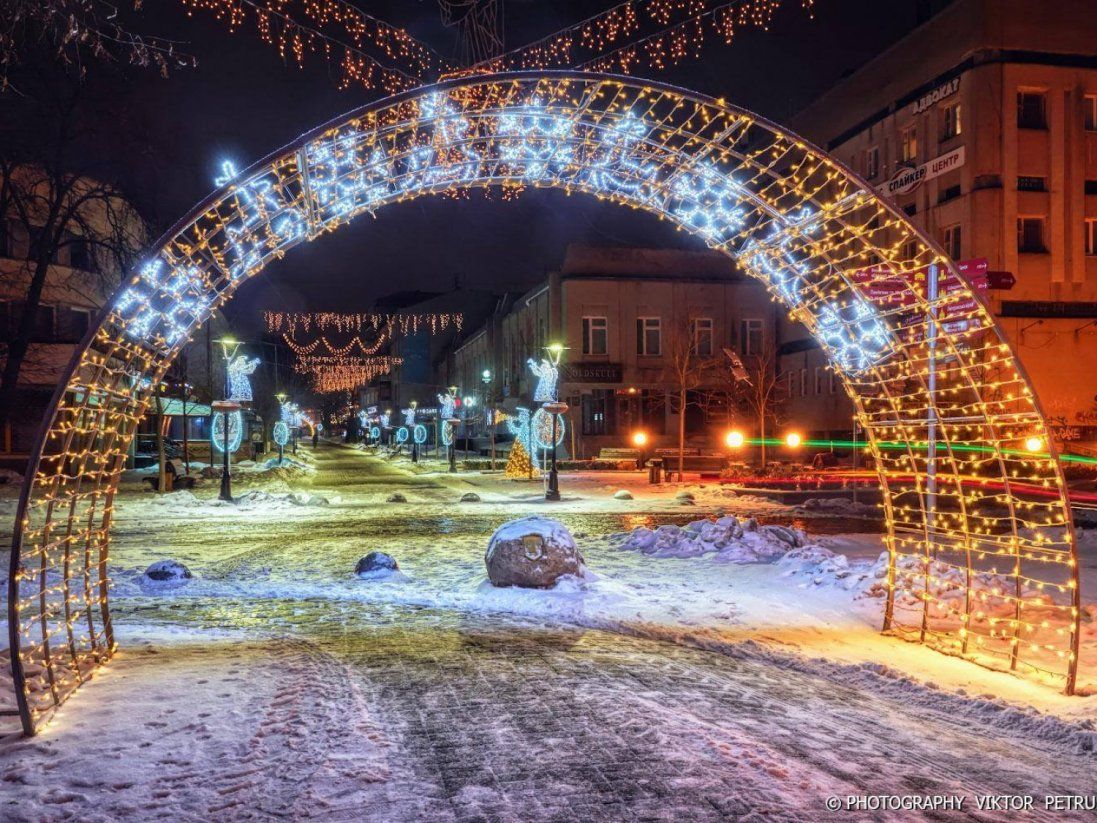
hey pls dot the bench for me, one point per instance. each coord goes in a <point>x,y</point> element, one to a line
<point>708,466</point>
<point>619,454</point>
<point>180,481</point>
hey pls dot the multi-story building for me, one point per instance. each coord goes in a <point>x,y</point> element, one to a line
<point>626,316</point>
<point>981,125</point>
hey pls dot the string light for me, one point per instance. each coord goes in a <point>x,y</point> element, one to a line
<point>982,558</point>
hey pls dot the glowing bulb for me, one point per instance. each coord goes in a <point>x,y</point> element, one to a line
<point>793,440</point>
<point>639,439</point>
<point>734,439</point>
<point>1034,444</point>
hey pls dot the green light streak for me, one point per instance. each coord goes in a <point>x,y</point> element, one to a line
<point>896,445</point>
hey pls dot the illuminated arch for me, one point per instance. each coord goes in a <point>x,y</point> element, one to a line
<point>978,528</point>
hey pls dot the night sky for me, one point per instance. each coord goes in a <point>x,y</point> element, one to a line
<point>241,103</point>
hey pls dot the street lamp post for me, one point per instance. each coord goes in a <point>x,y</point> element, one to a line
<point>281,398</point>
<point>454,422</point>
<point>485,376</point>
<point>414,404</point>
<point>229,347</point>
<point>555,408</point>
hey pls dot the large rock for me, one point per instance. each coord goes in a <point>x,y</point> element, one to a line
<point>376,564</point>
<point>470,497</point>
<point>396,497</point>
<point>533,552</point>
<point>167,573</point>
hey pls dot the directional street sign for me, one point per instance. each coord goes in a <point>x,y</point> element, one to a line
<point>1001,280</point>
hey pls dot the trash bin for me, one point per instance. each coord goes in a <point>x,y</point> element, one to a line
<point>655,471</point>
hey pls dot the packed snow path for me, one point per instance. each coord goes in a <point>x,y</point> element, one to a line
<point>252,696</point>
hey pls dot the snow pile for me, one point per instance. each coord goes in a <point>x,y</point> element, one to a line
<point>817,566</point>
<point>182,499</point>
<point>839,506</point>
<point>256,499</point>
<point>727,538</point>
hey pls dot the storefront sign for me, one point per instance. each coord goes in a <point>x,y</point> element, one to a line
<point>946,89</point>
<point>592,372</point>
<point>906,180</point>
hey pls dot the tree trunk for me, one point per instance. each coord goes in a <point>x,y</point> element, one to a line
<point>681,432</point>
<point>762,435</point>
<point>162,484</point>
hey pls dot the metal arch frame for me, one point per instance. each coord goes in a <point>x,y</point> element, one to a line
<point>100,418</point>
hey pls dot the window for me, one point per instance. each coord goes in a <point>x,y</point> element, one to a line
<point>950,121</point>
<point>1091,237</point>
<point>908,144</point>
<point>872,162</point>
<point>818,380</point>
<point>1030,235</point>
<point>5,239</point>
<point>649,336</point>
<point>597,409</point>
<point>909,250</point>
<point>72,324</point>
<point>1031,110</point>
<point>833,381</point>
<point>950,239</point>
<point>910,209</point>
<point>1031,183</point>
<point>750,337</point>
<point>950,193</point>
<point>595,335</point>
<point>1091,187</point>
<point>80,253</point>
<point>1090,103</point>
<point>804,382</point>
<point>702,337</point>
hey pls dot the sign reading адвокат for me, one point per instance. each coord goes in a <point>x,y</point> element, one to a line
<point>906,180</point>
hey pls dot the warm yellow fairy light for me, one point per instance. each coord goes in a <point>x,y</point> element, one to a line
<point>978,531</point>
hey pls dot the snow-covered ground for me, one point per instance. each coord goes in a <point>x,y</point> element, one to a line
<point>709,653</point>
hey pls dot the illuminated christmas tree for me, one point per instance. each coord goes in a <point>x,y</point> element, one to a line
<point>519,466</point>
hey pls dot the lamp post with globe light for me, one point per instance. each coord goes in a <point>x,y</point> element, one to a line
<point>489,411</point>
<point>454,422</point>
<point>555,408</point>
<point>229,347</point>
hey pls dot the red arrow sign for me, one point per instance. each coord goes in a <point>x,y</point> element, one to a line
<point>1001,280</point>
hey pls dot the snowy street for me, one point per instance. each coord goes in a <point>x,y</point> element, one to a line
<point>276,683</point>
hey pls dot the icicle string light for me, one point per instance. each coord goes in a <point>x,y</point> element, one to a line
<point>362,322</point>
<point>978,530</point>
<point>369,52</point>
<point>618,39</point>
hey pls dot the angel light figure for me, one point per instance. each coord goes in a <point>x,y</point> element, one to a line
<point>547,375</point>
<point>447,406</point>
<point>239,385</point>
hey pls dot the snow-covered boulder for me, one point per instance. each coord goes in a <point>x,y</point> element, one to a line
<point>470,497</point>
<point>684,495</point>
<point>396,497</point>
<point>533,552</point>
<point>376,564</point>
<point>622,494</point>
<point>167,573</point>
<point>794,537</point>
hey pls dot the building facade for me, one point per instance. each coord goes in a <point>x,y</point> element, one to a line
<point>981,125</point>
<point>636,325</point>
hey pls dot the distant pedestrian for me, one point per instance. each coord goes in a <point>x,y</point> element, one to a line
<point>315,438</point>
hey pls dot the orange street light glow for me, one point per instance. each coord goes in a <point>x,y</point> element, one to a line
<point>793,440</point>
<point>639,439</point>
<point>734,439</point>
